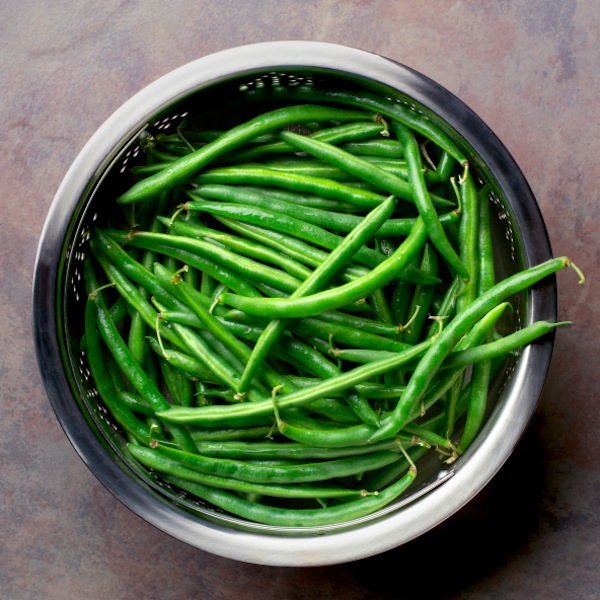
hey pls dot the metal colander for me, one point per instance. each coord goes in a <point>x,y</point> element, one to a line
<point>218,88</point>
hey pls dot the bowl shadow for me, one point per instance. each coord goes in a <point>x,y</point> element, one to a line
<point>493,529</point>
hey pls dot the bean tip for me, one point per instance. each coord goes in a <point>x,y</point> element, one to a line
<point>570,263</point>
<point>385,132</point>
<point>561,323</point>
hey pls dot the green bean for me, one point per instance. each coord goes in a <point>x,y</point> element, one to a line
<point>400,169</point>
<point>165,465</point>
<point>244,450</point>
<point>307,358</point>
<point>135,338</point>
<point>207,283</point>
<point>309,200</point>
<point>328,219</point>
<point>428,437</point>
<point>289,473</point>
<point>468,240</point>
<point>314,167</point>
<point>421,299</point>
<point>262,176</point>
<point>104,244</point>
<point>386,107</point>
<point>285,223</point>
<point>452,400</point>
<point>290,517</point>
<point>375,391</point>
<point>358,323</point>
<point>183,361</point>
<point>486,269</point>
<point>132,369</point>
<point>340,133</point>
<point>447,305</point>
<point>335,409</point>
<point>239,415</point>
<point>480,381</point>
<point>220,273</point>
<point>293,246</point>
<point>399,303</point>
<point>102,381</point>
<point>361,355</point>
<point>502,346</point>
<point>450,335</point>
<point>180,170</point>
<point>352,435</point>
<point>445,167</point>
<point>423,201</point>
<point>357,166</point>
<point>336,297</point>
<point>317,280</point>
<point>241,265</point>
<point>135,403</point>
<point>259,432</point>
<point>381,147</point>
<point>485,280</point>
<point>346,335</point>
<point>242,331</point>
<point>468,234</point>
<point>334,317</point>
<point>178,383</point>
<point>360,305</point>
<point>217,328</point>
<point>193,228</point>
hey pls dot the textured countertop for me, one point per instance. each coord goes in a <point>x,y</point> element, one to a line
<point>529,68</point>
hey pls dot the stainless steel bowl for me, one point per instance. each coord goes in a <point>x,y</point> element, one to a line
<point>100,171</point>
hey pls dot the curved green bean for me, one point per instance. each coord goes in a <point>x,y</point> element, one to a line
<point>432,360</point>
<point>338,257</point>
<point>181,169</point>
<point>289,517</point>
<point>336,297</point>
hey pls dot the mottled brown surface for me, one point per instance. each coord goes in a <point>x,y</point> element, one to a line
<point>529,68</point>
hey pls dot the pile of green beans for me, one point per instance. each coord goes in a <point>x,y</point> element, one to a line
<point>285,312</point>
